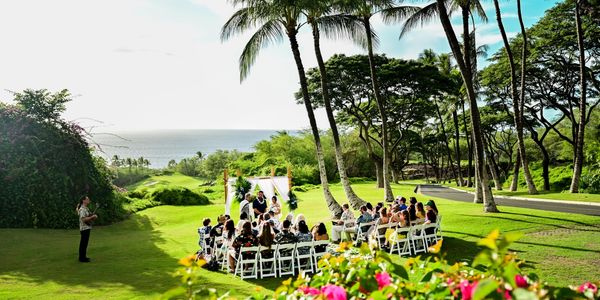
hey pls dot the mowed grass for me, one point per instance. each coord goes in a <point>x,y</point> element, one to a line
<point>522,192</point>
<point>135,258</point>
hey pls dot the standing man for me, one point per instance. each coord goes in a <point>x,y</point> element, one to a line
<point>259,204</point>
<point>85,227</point>
<point>245,206</point>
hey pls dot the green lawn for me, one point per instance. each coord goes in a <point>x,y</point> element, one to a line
<point>522,192</point>
<point>135,258</point>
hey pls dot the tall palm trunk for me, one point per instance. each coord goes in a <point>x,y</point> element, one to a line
<point>518,101</point>
<point>448,151</point>
<point>465,68</point>
<point>334,208</point>
<point>515,181</point>
<point>353,199</point>
<point>468,139</point>
<point>577,167</point>
<point>457,146</point>
<point>387,188</point>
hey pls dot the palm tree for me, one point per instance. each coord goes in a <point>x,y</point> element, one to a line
<point>317,16</point>
<point>518,102</point>
<point>364,10</point>
<point>276,19</point>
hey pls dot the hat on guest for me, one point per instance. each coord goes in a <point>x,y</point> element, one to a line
<point>429,203</point>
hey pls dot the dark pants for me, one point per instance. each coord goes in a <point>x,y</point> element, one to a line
<point>83,243</point>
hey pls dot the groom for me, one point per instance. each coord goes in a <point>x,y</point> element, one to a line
<point>259,204</point>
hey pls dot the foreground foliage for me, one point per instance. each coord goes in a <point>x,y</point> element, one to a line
<point>367,273</point>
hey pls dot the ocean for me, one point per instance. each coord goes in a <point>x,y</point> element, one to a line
<point>161,146</point>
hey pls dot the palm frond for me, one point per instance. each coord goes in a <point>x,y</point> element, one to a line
<point>397,14</point>
<point>343,26</point>
<point>239,22</point>
<point>270,32</point>
<point>423,16</point>
<point>478,8</point>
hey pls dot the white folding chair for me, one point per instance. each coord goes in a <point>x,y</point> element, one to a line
<point>429,234</point>
<point>304,256</point>
<point>284,256</point>
<point>401,241</point>
<point>219,252</point>
<point>246,264</point>
<point>379,233</point>
<point>439,228</point>
<point>318,253</point>
<point>202,242</point>
<point>416,239</point>
<point>363,230</point>
<point>266,261</point>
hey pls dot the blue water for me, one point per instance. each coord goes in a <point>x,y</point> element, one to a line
<point>161,146</point>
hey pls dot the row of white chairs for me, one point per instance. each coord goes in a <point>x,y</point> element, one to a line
<point>409,240</point>
<point>276,261</point>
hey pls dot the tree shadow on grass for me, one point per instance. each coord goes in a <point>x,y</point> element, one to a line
<point>124,255</point>
<point>592,227</point>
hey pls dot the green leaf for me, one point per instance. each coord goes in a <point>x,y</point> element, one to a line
<point>427,276</point>
<point>523,294</point>
<point>483,259</point>
<point>484,288</point>
<point>399,271</point>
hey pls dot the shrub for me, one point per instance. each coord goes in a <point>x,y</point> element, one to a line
<point>590,183</point>
<point>139,194</point>
<point>45,167</point>
<point>178,196</point>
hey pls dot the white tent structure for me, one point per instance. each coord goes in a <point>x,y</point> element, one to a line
<point>269,185</point>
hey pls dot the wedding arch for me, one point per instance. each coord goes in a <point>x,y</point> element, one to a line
<point>268,184</point>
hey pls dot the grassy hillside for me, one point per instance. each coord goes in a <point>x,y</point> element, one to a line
<point>135,258</point>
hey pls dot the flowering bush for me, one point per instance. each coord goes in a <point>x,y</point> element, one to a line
<point>366,273</point>
<point>369,274</point>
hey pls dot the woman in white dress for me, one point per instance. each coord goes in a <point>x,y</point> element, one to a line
<point>275,207</point>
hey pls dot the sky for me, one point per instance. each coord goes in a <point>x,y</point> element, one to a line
<point>159,64</point>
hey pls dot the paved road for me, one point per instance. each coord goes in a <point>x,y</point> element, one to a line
<point>446,193</point>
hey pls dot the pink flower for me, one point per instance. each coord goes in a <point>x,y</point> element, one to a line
<point>506,294</point>
<point>307,290</point>
<point>521,281</point>
<point>466,289</point>
<point>588,286</point>
<point>334,292</point>
<point>383,279</point>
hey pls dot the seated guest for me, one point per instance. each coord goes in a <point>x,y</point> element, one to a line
<point>217,230</point>
<point>299,217</point>
<point>204,234</point>
<point>229,232</point>
<point>290,217</point>
<point>420,211</point>
<point>384,219</point>
<point>341,225</point>
<point>402,203</point>
<point>412,209</point>
<point>303,235</point>
<point>275,208</point>
<point>319,233</point>
<point>243,219</point>
<point>266,239</point>
<point>431,216</point>
<point>404,219</point>
<point>246,238</point>
<point>433,206</point>
<point>370,209</point>
<point>395,217</point>
<point>365,217</point>
<point>285,236</point>
<point>274,220</point>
